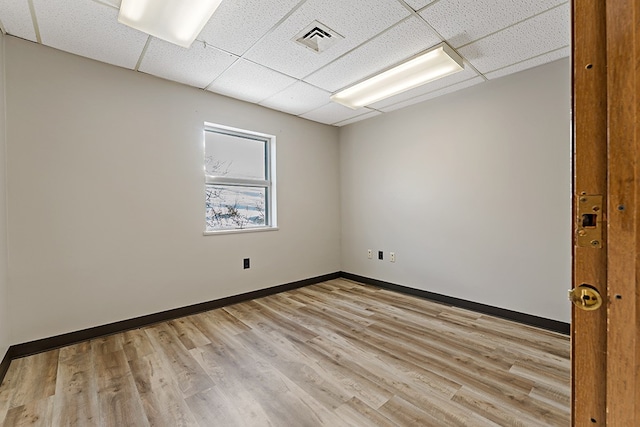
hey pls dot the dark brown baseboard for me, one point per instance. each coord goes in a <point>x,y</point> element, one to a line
<point>4,365</point>
<point>527,319</point>
<point>46,344</point>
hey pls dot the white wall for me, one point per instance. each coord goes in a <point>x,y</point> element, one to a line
<point>106,208</point>
<point>4,317</point>
<point>472,192</point>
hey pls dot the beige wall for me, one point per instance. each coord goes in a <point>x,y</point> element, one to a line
<point>472,192</point>
<point>106,209</point>
<point>105,195</point>
<point>4,318</point>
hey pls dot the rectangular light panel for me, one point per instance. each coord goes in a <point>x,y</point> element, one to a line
<point>431,65</point>
<point>176,21</point>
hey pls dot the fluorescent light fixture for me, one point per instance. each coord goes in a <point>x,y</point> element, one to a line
<point>428,66</point>
<point>176,21</point>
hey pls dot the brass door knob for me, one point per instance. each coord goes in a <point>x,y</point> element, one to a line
<point>585,297</point>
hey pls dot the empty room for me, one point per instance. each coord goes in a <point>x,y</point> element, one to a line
<point>316,213</point>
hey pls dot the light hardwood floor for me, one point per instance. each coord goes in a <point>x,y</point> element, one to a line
<point>333,354</point>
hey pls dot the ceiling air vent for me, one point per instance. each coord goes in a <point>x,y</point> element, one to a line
<point>317,37</point>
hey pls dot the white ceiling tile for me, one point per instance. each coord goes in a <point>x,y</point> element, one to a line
<point>355,20</point>
<point>462,21</point>
<point>533,37</point>
<point>418,4</point>
<point>90,29</point>
<point>238,24</point>
<point>16,18</point>
<point>250,82</point>
<point>358,119</point>
<point>297,99</point>
<point>197,66</point>
<point>333,113</point>
<point>399,43</point>
<point>431,95</point>
<point>530,63</point>
<point>466,74</point>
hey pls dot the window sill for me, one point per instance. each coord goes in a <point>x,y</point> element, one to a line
<point>240,230</point>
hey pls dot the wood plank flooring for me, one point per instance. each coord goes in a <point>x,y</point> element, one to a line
<point>333,354</point>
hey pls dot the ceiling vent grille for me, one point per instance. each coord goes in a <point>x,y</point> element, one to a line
<point>317,37</point>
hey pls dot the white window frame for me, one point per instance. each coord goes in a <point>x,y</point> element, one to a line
<point>268,184</point>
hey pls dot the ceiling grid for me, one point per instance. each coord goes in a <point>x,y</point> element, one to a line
<point>144,51</point>
<point>248,51</point>
<point>34,21</point>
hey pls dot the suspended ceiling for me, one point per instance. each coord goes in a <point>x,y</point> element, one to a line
<point>248,50</point>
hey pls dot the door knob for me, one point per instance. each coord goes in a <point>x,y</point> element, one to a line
<point>585,297</point>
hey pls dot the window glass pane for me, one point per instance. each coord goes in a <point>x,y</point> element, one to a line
<point>234,156</point>
<point>232,207</point>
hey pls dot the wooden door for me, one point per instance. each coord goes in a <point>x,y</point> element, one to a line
<point>606,70</point>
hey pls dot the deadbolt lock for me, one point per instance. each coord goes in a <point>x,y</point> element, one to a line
<point>585,297</point>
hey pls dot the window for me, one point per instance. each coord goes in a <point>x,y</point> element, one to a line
<point>239,179</point>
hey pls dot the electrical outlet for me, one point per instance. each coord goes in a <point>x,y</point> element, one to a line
<point>369,254</point>
<point>380,255</point>
<point>392,256</point>
<point>246,263</point>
